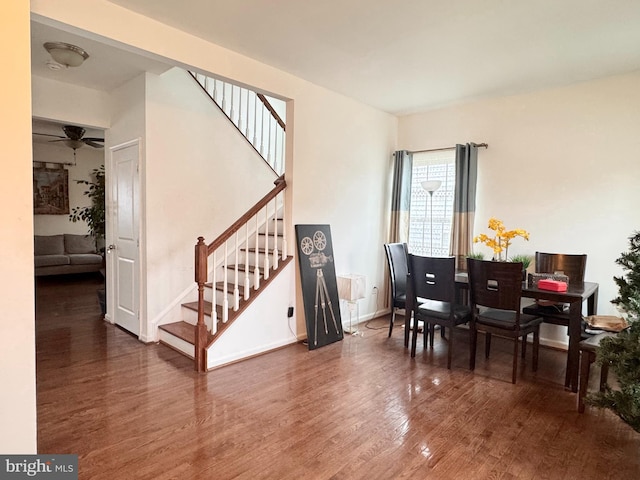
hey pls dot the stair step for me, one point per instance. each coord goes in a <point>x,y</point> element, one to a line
<point>183,330</point>
<point>242,267</point>
<point>220,286</point>
<point>253,250</point>
<point>208,307</point>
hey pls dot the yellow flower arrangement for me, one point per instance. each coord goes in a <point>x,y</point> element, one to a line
<point>502,239</point>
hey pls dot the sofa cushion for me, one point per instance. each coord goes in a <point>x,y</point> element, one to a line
<point>48,244</point>
<point>50,260</point>
<point>85,259</point>
<point>79,243</point>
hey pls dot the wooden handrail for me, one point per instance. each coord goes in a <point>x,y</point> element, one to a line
<point>280,184</point>
<point>202,252</point>
<point>274,114</point>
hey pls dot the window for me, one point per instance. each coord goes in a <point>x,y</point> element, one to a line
<point>430,223</point>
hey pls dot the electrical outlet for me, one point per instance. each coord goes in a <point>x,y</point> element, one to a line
<point>374,290</point>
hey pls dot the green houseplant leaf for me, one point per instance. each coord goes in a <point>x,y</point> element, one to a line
<point>94,214</point>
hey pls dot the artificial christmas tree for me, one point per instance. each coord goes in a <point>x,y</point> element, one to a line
<point>622,352</point>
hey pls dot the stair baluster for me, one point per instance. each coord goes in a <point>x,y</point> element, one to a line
<point>265,268</point>
<point>214,310</point>
<point>236,290</point>
<point>225,297</point>
<point>256,256</point>
<point>275,234</point>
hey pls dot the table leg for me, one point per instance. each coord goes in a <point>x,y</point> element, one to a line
<point>573,355</point>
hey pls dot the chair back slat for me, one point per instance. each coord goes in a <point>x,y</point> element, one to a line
<point>573,266</point>
<point>495,284</point>
<point>433,277</point>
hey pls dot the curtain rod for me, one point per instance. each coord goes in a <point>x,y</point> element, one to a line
<point>484,145</point>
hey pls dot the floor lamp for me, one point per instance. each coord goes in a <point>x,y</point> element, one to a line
<point>430,186</point>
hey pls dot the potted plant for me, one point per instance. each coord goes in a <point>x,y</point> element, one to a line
<point>525,260</point>
<point>501,240</point>
<point>94,214</point>
<point>622,351</point>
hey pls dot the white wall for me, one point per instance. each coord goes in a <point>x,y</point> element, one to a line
<point>561,163</point>
<point>17,332</point>
<point>333,136</point>
<point>192,151</point>
<point>70,103</point>
<point>87,159</point>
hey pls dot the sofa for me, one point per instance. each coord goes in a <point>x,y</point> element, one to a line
<point>65,253</point>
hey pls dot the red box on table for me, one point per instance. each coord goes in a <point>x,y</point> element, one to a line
<point>553,285</point>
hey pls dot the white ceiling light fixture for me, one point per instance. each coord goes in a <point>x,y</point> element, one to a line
<point>66,54</point>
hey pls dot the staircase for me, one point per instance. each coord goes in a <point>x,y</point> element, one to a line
<point>253,114</point>
<point>236,267</point>
<point>230,273</point>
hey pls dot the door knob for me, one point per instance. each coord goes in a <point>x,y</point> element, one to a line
<point>111,247</point>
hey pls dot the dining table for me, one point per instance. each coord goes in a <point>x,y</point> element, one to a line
<point>574,296</point>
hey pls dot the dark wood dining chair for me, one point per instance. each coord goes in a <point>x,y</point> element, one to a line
<point>495,291</point>
<point>433,285</point>
<point>571,265</point>
<point>398,270</point>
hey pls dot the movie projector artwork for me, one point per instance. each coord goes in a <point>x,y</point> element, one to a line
<point>319,286</point>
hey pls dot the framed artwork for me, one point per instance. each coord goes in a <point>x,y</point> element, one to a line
<point>50,191</point>
<point>319,285</point>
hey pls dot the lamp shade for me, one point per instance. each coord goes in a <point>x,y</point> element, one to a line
<point>351,287</point>
<point>431,185</point>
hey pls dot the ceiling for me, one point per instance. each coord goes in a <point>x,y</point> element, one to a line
<point>106,68</point>
<point>413,55</point>
<point>400,57</point>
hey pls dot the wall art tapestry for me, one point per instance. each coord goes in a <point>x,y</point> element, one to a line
<point>50,191</point>
<point>319,286</point>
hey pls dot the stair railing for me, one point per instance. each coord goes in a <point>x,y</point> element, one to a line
<point>233,245</point>
<point>252,114</point>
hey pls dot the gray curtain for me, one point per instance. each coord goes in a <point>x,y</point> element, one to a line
<point>464,204</point>
<point>401,196</point>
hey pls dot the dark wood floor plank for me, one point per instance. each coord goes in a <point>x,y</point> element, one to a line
<point>357,409</point>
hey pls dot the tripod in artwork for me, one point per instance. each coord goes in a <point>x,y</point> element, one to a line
<point>317,260</point>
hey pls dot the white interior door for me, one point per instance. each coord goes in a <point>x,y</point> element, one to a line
<point>124,248</point>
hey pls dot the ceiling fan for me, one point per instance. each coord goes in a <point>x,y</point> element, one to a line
<point>74,138</point>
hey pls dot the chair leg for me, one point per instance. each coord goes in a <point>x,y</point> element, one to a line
<point>536,348</point>
<point>393,319</point>
<point>524,345</point>
<point>432,330</point>
<point>487,344</point>
<point>414,337</point>
<point>473,334</point>
<point>442,333</point>
<point>449,347</point>
<point>515,360</point>
<point>585,365</point>
<point>425,335</point>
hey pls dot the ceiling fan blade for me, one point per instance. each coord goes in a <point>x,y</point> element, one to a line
<point>92,143</point>
<point>48,135</point>
<point>94,139</point>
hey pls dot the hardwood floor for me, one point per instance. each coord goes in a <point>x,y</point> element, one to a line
<point>360,408</point>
